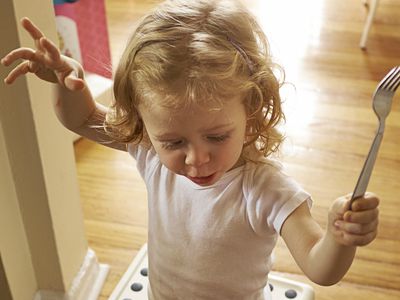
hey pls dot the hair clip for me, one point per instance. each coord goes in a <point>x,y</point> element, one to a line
<point>243,54</point>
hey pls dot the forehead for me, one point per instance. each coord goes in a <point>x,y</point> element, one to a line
<point>160,120</point>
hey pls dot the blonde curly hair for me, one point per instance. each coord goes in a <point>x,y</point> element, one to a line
<point>197,51</point>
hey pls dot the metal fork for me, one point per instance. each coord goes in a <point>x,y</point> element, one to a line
<point>381,103</point>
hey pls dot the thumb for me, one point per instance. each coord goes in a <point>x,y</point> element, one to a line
<point>342,204</point>
<point>73,82</point>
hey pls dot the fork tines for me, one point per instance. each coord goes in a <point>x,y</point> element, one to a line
<point>391,81</point>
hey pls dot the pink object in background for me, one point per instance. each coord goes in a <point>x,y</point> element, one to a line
<point>82,27</point>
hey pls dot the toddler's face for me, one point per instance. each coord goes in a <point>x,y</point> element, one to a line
<point>200,143</point>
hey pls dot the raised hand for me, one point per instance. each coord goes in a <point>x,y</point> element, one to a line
<point>45,61</point>
<point>358,226</point>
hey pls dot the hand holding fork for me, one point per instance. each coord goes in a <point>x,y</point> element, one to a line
<point>354,221</point>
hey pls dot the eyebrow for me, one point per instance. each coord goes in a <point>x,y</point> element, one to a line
<point>170,136</point>
<point>221,126</point>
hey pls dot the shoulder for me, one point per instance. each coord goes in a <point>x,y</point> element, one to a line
<point>135,149</point>
<point>146,158</point>
<point>264,173</point>
<point>271,192</point>
<point>269,178</point>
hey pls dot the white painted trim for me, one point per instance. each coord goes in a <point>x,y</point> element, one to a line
<point>87,284</point>
<point>124,283</point>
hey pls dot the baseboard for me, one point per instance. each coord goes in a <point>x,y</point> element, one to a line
<point>86,285</point>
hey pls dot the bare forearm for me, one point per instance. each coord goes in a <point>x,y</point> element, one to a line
<point>328,261</point>
<point>78,112</point>
<point>346,229</point>
<point>73,108</point>
<point>321,257</point>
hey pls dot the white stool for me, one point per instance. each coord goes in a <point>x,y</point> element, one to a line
<point>133,285</point>
<point>371,14</point>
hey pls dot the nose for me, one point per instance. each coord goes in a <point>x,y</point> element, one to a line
<point>196,156</point>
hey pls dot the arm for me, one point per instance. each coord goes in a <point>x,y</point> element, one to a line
<point>326,256</point>
<point>73,104</point>
<point>78,112</point>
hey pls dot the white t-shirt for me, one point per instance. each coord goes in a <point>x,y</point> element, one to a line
<point>214,242</point>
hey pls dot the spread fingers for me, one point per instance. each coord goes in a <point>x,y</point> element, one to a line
<point>19,70</point>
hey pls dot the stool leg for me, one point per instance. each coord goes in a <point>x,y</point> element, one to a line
<point>368,23</point>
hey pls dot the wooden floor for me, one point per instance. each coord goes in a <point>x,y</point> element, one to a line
<point>330,126</point>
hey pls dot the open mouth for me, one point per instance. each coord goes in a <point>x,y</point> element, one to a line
<point>202,180</point>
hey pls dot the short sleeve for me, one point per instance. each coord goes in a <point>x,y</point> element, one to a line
<point>146,159</point>
<point>284,211</point>
<point>271,197</point>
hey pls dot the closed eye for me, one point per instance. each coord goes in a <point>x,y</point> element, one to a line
<point>169,145</point>
<point>218,138</point>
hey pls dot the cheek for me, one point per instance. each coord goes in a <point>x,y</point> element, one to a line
<point>231,151</point>
<point>173,160</point>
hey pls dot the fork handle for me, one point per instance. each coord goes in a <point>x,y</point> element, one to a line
<point>366,171</point>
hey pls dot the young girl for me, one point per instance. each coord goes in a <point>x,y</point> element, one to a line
<point>197,105</point>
